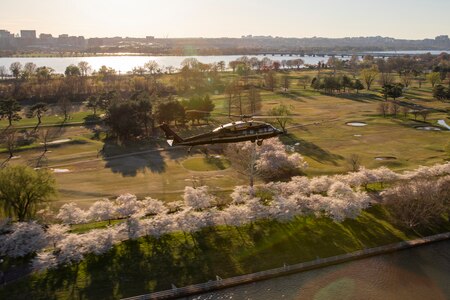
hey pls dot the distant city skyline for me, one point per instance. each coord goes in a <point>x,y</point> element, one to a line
<point>402,19</point>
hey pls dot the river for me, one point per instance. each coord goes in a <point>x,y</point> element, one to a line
<point>414,274</point>
<point>125,63</point>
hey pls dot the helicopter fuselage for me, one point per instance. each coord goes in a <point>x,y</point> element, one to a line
<point>234,132</point>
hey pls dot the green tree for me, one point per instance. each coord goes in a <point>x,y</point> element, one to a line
<point>44,73</point>
<point>37,110</point>
<point>439,92</point>
<point>123,128</point>
<point>198,108</point>
<point>93,102</point>
<point>434,78</point>
<point>169,111</point>
<point>358,85</point>
<point>282,112</point>
<point>346,82</point>
<point>23,190</point>
<point>9,109</point>
<point>369,75</point>
<point>72,70</point>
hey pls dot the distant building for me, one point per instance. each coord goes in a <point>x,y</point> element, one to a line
<point>45,36</point>
<point>442,38</point>
<point>28,34</point>
<point>7,40</point>
<point>150,38</point>
<point>5,34</point>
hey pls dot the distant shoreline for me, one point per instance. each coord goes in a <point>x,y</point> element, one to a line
<point>268,53</point>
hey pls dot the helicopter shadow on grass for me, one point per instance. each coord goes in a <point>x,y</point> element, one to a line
<point>313,151</point>
<point>129,159</point>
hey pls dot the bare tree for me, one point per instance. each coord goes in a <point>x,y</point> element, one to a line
<point>243,159</point>
<point>406,78</point>
<point>405,111</point>
<point>65,107</point>
<point>304,81</point>
<point>270,80</point>
<point>386,78</point>
<point>84,67</point>
<point>285,83</point>
<point>355,162</point>
<point>3,72</point>
<point>394,108</point>
<point>48,134</point>
<point>424,113</point>
<point>9,138</point>
<point>383,108</point>
<point>254,100</point>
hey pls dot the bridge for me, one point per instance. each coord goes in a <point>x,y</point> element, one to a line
<point>327,54</point>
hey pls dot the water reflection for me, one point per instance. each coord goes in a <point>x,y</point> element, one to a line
<point>414,274</point>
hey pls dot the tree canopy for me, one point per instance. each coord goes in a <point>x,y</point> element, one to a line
<point>23,190</point>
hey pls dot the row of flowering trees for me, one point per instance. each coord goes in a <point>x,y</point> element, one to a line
<point>338,197</point>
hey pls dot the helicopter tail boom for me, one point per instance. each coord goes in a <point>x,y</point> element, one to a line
<point>172,137</point>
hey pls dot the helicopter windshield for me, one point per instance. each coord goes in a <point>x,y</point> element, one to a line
<point>237,125</point>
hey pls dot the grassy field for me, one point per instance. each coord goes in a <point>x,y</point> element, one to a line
<point>149,170</point>
<point>210,163</point>
<point>145,265</point>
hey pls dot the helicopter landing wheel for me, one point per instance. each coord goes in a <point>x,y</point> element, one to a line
<point>259,143</point>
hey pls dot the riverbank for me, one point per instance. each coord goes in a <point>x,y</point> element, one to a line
<point>149,265</point>
<point>288,269</point>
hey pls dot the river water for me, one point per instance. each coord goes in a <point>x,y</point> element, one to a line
<point>126,63</point>
<point>421,273</point>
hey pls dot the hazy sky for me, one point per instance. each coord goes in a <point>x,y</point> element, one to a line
<point>413,19</point>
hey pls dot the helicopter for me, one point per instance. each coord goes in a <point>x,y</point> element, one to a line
<point>247,129</point>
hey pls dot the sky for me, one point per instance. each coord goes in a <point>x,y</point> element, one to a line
<point>410,19</point>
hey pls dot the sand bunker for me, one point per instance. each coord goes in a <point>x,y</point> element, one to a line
<point>60,170</point>
<point>385,158</point>
<point>428,128</point>
<point>356,124</point>
<point>62,141</point>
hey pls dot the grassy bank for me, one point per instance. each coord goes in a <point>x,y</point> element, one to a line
<point>147,265</point>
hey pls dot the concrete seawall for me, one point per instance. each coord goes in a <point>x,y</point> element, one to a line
<point>288,269</point>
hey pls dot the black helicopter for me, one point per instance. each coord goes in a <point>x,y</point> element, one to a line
<point>239,131</point>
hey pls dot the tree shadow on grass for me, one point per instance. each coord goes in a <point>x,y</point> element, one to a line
<point>314,151</point>
<point>129,160</point>
<point>359,97</point>
<point>63,280</point>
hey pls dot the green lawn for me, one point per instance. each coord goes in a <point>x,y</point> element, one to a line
<point>326,147</point>
<point>75,117</point>
<point>146,265</point>
<point>210,163</point>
